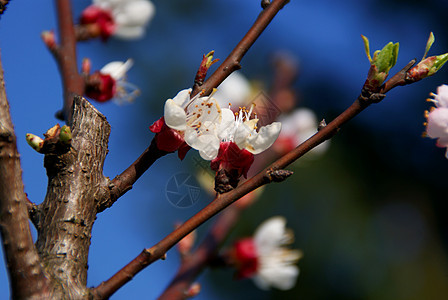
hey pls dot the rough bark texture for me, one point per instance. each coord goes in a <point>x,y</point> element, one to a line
<point>24,269</point>
<point>75,185</point>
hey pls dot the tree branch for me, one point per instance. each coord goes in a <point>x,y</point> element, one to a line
<point>194,263</point>
<point>3,4</point>
<point>232,62</point>
<point>25,272</point>
<point>123,182</point>
<point>73,82</point>
<point>221,201</point>
<point>75,185</point>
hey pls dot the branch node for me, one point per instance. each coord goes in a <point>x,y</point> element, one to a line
<point>322,125</point>
<point>265,3</point>
<point>278,175</point>
<point>367,97</point>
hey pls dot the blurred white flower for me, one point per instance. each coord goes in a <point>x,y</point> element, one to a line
<point>264,257</point>
<point>126,19</point>
<point>235,89</point>
<point>437,125</point>
<point>297,127</point>
<point>110,83</point>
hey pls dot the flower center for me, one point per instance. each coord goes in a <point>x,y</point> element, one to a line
<point>202,112</point>
<point>242,116</point>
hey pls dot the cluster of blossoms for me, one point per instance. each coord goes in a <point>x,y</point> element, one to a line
<point>226,138</point>
<point>110,82</point>
<point>264,258</point>
<point>437,124</point>
<point>126,19</point>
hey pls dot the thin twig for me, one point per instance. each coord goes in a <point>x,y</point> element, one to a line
<point>123,182</point>
<point>232,62</point>
<point>72,81</point>
<point>3,4</point>
<point>194,263</point>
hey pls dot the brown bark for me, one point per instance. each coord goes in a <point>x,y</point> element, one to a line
<point>22,261</point>
<point>75,185</point>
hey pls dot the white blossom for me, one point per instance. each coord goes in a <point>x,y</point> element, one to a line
<point>235,88</point>
<point>130,16</point>
<point>239,128</point>
<point>125,92</point>
<point>437,125</point>
<point>198,119</point>
<point>277,264</point>
<point>298,126</point>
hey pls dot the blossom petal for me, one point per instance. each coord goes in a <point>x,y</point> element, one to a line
<point>135,13</point>
<point>227,125</point>
<point>182,98</point>
<point>235,89</point>
<point>442,96</point>
<point>270,234</point>
<point>202,110</point>
<point>438,123</point>
<point>129,32</point>
<point>117,69</point>
<point>241,135</point>
<point>175,116</point>
<point>281,277</point>
<point>265,138</point>
<point>206,144</point>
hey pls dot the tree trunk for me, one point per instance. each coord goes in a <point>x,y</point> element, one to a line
<point>75,185</point>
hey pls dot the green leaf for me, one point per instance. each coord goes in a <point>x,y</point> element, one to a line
<point>367,47</point>
<point>438,64</point>
<point>429,43</point>
<point>385,59</point>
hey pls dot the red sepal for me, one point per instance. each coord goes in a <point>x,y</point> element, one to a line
<point>246,257</point>
<point>168,139</point>
<point>231,157</point>
<point>101,87</point>
<point>101,17</point>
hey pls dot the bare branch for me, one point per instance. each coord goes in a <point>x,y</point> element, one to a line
<point>123,182</point>
<point>75,185</point>
<point>194,263</point>
<point>66,58</point>
<point>25,272</point>
<point>232,62</point>
<point>3,4</point>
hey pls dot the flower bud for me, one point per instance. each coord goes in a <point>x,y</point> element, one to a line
<point>194,290</point>
<point>34,141</point>
<point>207,61</point>
<point>86,66</point>
<point>381,63</point>
<point>65,136</point>
<point>427,66</point>
<point>49,39</point>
